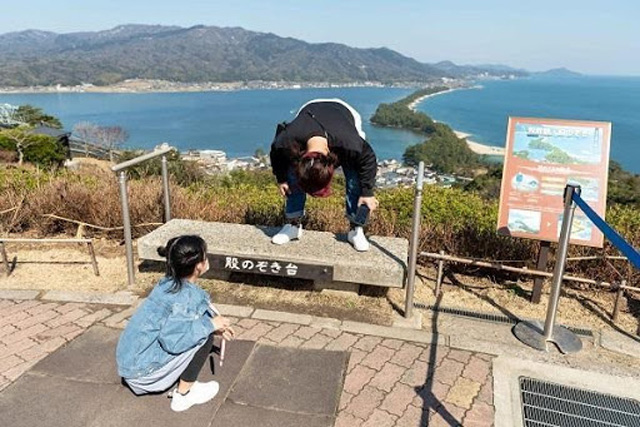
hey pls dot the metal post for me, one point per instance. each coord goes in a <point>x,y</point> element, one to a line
<point>94,261</point>
<point>561,260</point>
<point>616,305</point>
<point>538,282</point>
<point>440,273</point>
<point>165,187</point>
<point>415,241</point>
<point>530,333</point>
<point>126,220</point>
<point>5,260</point>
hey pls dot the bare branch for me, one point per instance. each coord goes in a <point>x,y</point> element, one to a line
<point>108,137</point>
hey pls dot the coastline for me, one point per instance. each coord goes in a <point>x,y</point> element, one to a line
<point>476,147</point>
<point>164,86</point>
<point>414,104</point>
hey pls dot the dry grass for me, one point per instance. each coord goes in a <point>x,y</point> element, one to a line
<point>300,298</point>
<point>67,267</point>
<point>580,308</point>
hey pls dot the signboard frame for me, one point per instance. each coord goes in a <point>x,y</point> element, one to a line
<point>541,157</point>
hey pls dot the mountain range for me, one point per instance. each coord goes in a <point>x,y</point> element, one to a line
<point>206,54</point>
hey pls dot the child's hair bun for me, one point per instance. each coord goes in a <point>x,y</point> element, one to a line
<point>162,251</point>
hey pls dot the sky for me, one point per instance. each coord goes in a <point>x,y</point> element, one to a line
<point>589,36</point>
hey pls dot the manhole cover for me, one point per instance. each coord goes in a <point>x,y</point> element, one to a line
<point>547,404</point>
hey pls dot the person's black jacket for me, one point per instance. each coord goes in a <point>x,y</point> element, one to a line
<point>335,122</point>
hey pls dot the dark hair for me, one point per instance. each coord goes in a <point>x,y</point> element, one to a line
<point>315,171</point>
<point>183,253</point>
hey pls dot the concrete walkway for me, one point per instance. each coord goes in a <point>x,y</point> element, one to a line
<point>393,377</point>
<point>265,385</point>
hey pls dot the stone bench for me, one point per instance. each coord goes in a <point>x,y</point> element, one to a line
<point>319,256</point>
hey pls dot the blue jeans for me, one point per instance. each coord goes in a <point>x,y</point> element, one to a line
<point>294,208</point>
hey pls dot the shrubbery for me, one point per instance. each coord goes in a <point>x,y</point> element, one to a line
<point>443,152</point>
<point>43,150</point>
<point>398,114</point>
<point>623,186</point>
<point>453,220</point>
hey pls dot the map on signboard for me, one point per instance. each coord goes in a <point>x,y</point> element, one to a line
<point>542,157</point>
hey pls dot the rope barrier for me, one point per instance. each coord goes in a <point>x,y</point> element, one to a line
<point>632,255</point>
<point>99,227</point>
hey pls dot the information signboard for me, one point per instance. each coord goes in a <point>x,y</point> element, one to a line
<point>542,156</point>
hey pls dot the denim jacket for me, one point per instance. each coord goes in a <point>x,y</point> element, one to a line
<point>164,326</point>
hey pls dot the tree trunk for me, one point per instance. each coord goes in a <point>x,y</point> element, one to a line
<point>20,154</point>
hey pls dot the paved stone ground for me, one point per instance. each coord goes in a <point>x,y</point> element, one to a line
<point>389,382</point>
<point>30,330</point>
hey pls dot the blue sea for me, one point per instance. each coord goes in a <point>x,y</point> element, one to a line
<point>236,122</point>
<point>243,121</point>
<point>483,111</point>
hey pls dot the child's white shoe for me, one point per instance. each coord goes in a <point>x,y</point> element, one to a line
<point>357,238</point>
<point>287,233</point>
<point>198,393</point>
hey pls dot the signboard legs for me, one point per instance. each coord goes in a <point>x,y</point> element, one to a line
<point>538,282</point>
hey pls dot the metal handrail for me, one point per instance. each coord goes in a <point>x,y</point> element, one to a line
<point>140,159</point>
<point>120,169</point>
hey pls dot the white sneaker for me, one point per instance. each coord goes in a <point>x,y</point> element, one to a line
<point>287,233</point>
<point>357,238</point>
<point>199,393</point>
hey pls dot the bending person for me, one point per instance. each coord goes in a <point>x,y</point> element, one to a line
<point>325,134</point>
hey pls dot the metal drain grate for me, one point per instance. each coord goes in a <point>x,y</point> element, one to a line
<point>496,318</point>
<point>546,404</point>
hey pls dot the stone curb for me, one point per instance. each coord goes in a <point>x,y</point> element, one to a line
<point>326,323</point>
<point>115,320</point>
<point>281,316</point>
<point>118,298</point>
<point>234,310</point>
<point>413,322</point>
<point>619,343</point>
<point>21,294</point>
<point>472,344</point>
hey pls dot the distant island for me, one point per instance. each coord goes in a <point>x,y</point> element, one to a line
<point>558,72</point>
<point>204,54</point>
